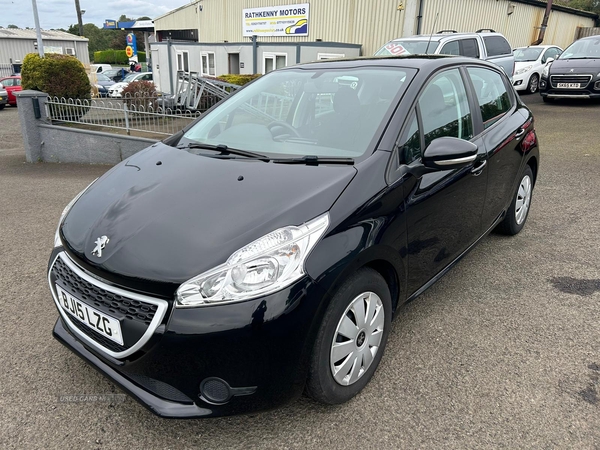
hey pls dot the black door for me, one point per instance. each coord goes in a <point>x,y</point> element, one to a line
<point>503,125</point>
<point>443,208</point>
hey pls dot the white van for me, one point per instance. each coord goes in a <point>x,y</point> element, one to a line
<point>99,68</point>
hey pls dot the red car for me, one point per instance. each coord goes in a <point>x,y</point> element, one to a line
<point>12,85</point>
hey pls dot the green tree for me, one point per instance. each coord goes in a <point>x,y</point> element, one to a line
<point>11,26</point>
<point>584,5</point>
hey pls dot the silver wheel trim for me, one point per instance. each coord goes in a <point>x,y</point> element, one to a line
<point>357,338</point>
<point>523,200</point>
<point>533,84</point>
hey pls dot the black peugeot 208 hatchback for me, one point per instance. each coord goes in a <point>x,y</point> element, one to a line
<point>263,251</point>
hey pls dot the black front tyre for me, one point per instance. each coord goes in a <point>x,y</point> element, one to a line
<point>2,107</point>
<point>351,339</point>
<point>534,84</point>
<point>517,213</point>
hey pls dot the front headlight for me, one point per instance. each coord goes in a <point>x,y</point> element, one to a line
<point>262,267</point>
<point>523,70</point>
<point>546,71</point>
<point>64,213</point>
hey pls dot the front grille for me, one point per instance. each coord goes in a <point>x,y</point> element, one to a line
<point>105,301</point>
<point>137,314</point>
<point>583,80</point>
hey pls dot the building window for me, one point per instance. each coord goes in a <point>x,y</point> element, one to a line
<point>208,64</point>
<point>183,61</point>
<point>272,61</point>
<point>70,51</point>
<point>324,56</point>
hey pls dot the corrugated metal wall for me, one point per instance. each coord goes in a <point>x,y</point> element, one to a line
<point>373,23</point>
<point>185,18</point>
<point>518,27</point>
<point>18,48</point>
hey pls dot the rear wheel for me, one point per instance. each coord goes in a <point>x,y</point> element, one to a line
<point>517,213</point>
<point>351,338</point>
<point>534,84</point>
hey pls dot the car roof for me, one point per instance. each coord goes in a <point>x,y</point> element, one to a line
<point>536,46</point>
<point>440,36</point>
<point>425,62</point>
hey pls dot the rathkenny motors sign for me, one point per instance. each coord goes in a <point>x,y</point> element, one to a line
<point>287,20</point>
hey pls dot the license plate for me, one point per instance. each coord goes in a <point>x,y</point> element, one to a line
<point>99,322</point>
<point>569,85</point>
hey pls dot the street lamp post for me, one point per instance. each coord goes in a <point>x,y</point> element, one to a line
<point>38,30</point>
<point>79,20</point>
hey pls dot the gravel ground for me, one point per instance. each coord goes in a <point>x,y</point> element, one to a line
<point>503,352</point>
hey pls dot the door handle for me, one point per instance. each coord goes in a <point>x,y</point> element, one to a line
<point>520,132</point>
<point>476,171</point>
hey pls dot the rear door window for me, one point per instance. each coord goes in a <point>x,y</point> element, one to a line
<point>470,48</point>
<point>492,95</point>
<point>496,46</point>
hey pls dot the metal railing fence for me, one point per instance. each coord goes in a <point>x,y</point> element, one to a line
<point>136,113</point>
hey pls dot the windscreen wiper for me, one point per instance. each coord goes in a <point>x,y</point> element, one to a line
<point>225,150</point>
<point>312,160</point>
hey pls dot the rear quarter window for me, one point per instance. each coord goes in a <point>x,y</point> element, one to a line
<point>496,46</point>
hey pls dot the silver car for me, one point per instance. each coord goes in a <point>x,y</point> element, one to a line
<point>483,44</point>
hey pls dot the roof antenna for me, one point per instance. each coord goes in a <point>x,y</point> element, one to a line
<point>431,35</point>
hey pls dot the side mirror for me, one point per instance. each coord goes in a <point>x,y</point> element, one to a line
<point>549,60</point>
<point>448,153</point>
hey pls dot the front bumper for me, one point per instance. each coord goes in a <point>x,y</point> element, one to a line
<point>592,90</point>
<point>520,81</point>
<point>260,348</point>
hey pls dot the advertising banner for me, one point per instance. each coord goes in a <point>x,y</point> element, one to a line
<point>131,49</point>
<point>110,24</point>
<point>287,20</point>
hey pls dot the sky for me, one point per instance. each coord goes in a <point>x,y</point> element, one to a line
<point>61,13</point>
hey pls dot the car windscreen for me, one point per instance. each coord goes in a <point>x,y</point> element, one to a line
<point>102,77</point>
<point>305,112</point>
<point>129,78</point>
<point>408,47</point>
<point>528,54</point>
<point>582,49</point>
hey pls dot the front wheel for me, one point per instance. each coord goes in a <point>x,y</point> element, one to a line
<point>534,84</point>
<point>516,216</point>
<point>351,338</point>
